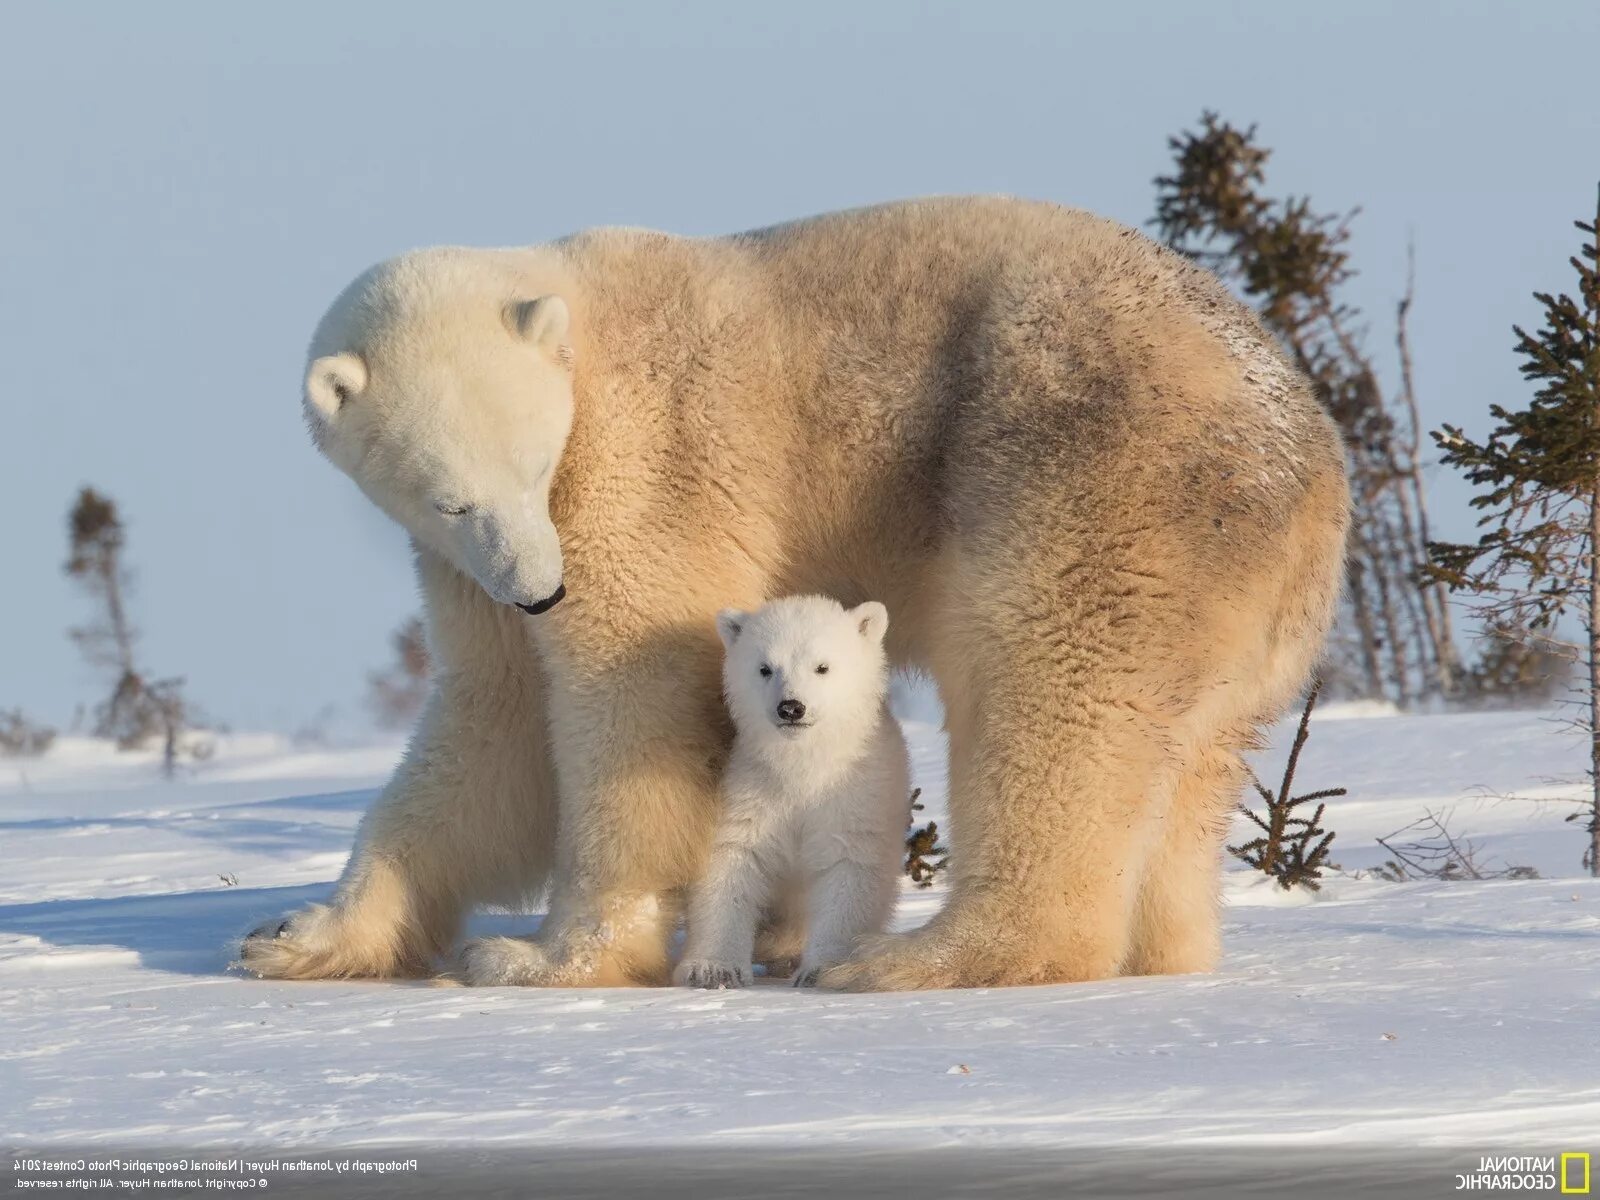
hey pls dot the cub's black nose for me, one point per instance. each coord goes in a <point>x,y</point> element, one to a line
<point>791,710</point>
<point>549,602</point>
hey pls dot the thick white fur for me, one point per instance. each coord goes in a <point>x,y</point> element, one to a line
<point>1107,515</point>
<point>813,811</point>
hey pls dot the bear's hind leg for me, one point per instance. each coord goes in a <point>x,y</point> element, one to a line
<point>1259,661</point>
<point>1177,924</point>
<point>1060,719</point>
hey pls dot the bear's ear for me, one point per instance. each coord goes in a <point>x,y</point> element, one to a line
<point>730,624</point>
<point>541,322</point>
<point>872,620</point>
<point>332,380</point>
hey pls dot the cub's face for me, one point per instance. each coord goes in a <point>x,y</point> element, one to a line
<point>453,425</point>
<point>803,668</point>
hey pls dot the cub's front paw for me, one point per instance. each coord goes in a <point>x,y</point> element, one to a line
<point>710,973</point>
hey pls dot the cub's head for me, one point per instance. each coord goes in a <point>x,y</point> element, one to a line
<point>441,383</point>
<point>804,667</point>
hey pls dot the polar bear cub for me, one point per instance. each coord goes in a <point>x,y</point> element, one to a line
<point>816,796</point>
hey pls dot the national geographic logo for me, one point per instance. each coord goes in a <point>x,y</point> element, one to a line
<point>1566,1174</point>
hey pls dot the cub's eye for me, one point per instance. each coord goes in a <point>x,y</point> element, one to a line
<point>766,672</point>
<point>822,668</point>
<point>453,510</point>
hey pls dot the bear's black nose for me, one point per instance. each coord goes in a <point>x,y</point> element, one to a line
<point>791,710</point>
<point>549,602</point>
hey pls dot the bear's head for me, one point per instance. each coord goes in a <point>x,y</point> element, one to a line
<point>804,669</point>
<point>444,390</point>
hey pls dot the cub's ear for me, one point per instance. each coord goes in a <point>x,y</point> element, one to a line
<point>541,322</point>
<point>730,624</point>
<point>331,381</point>
<point>872,620</point>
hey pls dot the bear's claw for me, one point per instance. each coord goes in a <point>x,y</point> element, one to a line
<point>265,932</point>
<point>318,943</point>
<point>256,947</point>
<point>703,973</point>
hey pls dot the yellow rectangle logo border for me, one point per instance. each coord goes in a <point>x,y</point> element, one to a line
<point>1575,1156</point>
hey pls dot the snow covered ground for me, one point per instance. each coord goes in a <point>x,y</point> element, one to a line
<point>1374,1013</point>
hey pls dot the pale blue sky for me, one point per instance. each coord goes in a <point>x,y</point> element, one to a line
<point>186,186</point>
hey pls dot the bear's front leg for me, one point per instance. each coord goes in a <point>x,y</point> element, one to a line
<point>617,940</point>
<point>469,816</point>
<point>453,827</point>
<point>638,749</point>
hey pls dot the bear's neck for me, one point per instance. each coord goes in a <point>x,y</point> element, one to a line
<point>672,346</point>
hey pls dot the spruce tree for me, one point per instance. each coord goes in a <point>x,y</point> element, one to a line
<point>1538,479</point>
<point>97,539</point>
<point>139,709</point>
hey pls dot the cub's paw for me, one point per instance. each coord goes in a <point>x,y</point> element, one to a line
<point>710,973</point>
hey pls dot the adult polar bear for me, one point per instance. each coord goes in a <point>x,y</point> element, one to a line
<point>1104,511</point>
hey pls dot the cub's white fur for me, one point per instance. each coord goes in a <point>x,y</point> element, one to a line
<point>816,793</point>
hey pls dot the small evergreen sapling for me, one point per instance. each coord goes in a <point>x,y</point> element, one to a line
<point>1292,849</point>
<point>925,857</point>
